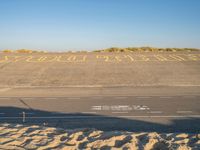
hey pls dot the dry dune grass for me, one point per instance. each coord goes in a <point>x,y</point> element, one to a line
<point>22,51</point>
<point>21,137</point>
<point>111,49</point>
<point>145,49</point>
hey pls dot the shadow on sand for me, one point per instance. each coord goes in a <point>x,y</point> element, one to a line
<point>100,122</point>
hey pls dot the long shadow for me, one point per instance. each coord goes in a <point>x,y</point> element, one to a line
<point>100,122</point>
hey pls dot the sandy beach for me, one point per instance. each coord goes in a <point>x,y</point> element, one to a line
<point>20,137</point>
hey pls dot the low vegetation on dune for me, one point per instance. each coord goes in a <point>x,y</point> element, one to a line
<point>112,49</point>
<point>147,49</point>
<point>22,51</point>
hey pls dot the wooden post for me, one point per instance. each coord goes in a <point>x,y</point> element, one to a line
<point>23,116</point>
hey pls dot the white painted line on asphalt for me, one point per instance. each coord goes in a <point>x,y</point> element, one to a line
<point>73,98</point>
<point>167,97</point>
<point>90,112</point>
<point>50,98</point>
<point>120,112</point>
<point>27,113</point>
<point>73,117</point>
<point>142,97</point>
<point>28,98</point>
<point>195,116</point>
<point>156,112</point>
<point>96,107</point>
<point>184,112</point>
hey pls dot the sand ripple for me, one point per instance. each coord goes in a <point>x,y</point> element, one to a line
<point>19,137</point>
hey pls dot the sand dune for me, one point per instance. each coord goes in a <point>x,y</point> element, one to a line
<point>20,137</point>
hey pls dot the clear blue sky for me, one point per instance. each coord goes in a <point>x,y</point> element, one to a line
<point>96,24</point>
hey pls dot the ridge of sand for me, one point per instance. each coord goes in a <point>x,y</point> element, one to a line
<point>21,137</point>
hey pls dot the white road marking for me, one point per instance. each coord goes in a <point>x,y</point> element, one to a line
<point>184,112</point>
<point>73,98</point>
<point>119,112</point>
<point>155,112</point>
<point>72,117</point>
<point>90,112</point>
<point>166,97</point>
<point>28,98</point>
<point>195,116</point>
<point>140,107</point>
<point>31,113</point>
<point>50,98</point>
<point>96,107</point>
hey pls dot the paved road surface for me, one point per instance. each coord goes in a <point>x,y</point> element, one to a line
<point>120,106</point>
<point>163,113</point>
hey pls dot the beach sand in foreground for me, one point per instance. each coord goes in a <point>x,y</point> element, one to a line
<point>19,137</point>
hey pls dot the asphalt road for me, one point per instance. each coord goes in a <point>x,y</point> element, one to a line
<point>119,106</point>
<point>164,113</point>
